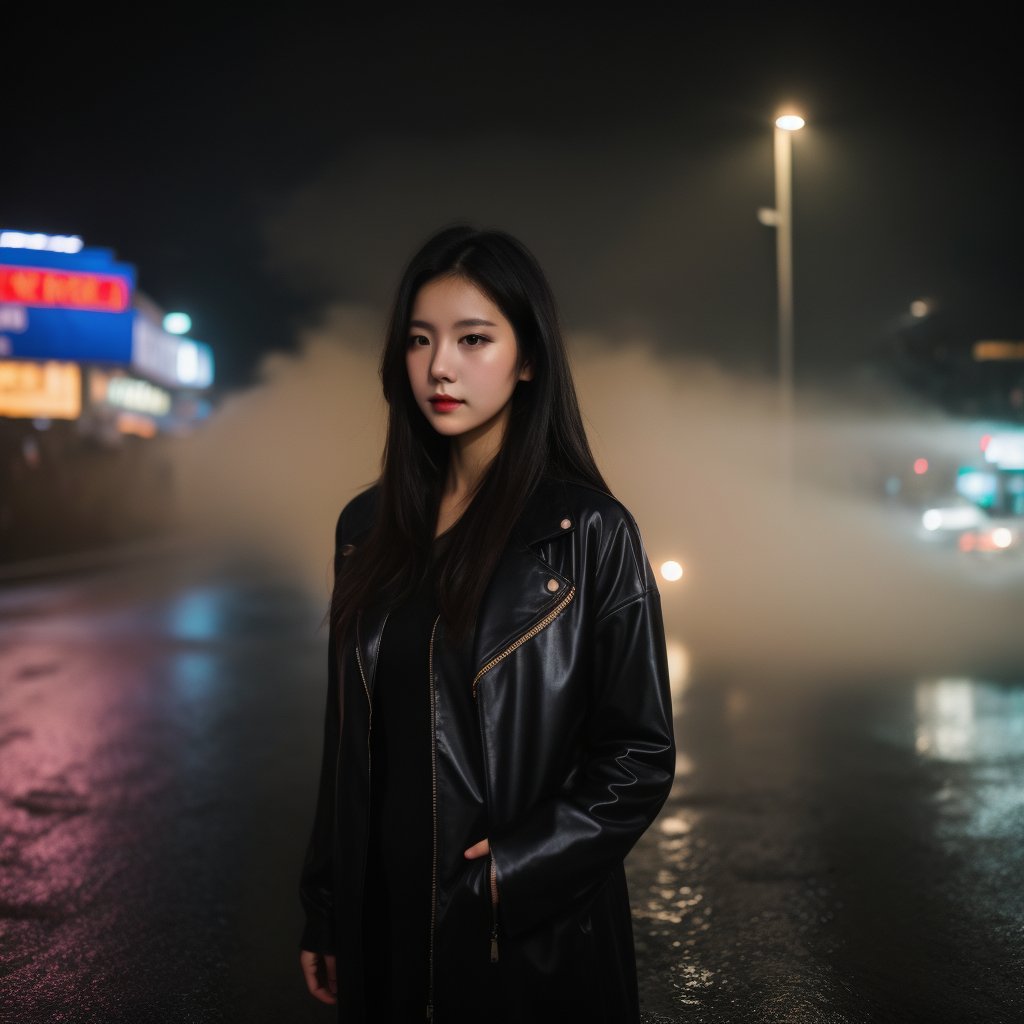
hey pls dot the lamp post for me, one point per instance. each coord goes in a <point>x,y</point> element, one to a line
<point>781,218</point>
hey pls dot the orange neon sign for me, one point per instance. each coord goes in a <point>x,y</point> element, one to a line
<point>63,289</point>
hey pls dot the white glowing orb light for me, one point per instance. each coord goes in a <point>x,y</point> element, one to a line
<point>1002,537</point>
<point>790,122</point>
<point>932,519</point>
<point>671,571</point>
<point>177,323</point>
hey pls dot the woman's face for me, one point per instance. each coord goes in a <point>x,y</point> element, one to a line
<point>462,347</point>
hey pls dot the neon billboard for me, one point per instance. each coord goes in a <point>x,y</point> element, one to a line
<point>64,289</point>
<point>65,305</point>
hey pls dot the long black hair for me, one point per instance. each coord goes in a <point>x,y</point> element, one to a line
<point>545,436</point>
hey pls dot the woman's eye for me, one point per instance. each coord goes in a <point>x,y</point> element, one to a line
<point>474,339</point>
<point>416,339</point>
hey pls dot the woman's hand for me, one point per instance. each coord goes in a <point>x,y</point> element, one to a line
<point>480,849</point>
<point>310,969</point>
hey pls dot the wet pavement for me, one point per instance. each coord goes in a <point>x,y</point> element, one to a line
<point>834,850</point>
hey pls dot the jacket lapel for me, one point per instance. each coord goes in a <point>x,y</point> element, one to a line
<point>524,587</point>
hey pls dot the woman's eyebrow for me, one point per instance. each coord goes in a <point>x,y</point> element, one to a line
<point>471,322</point>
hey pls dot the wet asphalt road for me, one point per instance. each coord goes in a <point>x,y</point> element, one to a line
<point>834,850</point>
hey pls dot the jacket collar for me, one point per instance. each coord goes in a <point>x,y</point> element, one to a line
<point>545,511</point>
<point>523,589</point>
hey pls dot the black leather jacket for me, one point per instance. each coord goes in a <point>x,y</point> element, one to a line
<point>571,690</point>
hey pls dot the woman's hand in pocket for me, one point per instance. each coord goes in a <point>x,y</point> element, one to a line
<point>481,849</point>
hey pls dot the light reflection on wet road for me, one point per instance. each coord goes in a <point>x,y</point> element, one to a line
<point>832,851</point>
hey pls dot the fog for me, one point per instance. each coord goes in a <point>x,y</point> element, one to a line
<point>813,574</point>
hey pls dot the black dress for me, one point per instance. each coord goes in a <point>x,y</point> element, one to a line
<point>399,874</point>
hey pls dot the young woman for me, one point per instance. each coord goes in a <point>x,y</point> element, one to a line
<point>498,731</point>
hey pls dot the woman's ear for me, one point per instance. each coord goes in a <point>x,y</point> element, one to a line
<point>526,371</point>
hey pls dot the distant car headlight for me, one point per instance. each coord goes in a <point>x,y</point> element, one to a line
<point>968,517</point>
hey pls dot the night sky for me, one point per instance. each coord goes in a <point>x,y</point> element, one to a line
<point>258,169</point>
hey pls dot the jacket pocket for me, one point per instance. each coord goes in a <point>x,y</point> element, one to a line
<point>551,972</point>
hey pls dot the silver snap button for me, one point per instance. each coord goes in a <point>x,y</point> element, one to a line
<point>566,524</point>
<point>552,585</point>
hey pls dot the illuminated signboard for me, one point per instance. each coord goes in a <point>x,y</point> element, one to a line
<point>36,240</point>
<point>986,350</point>
<point>28,332</point>
<point>29,389</point>
<point>128,393</point>
<point>65,305</point>
<point>178,362</point>
<point>58,303</point>
<point>134,423</point>
<point>64,289</point>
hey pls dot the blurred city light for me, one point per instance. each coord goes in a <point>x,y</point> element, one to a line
<point>1006,450</point>
<point>671,570</point>
<point>678,658</point>
<point>177,323</point>
<point>963,517</point>
<point>1002,537</point>
<point>188,362</point>
<point>997,350</point>
<point>37,240</point>
<point>978,486</point>
<point>964,719</point>
<point>920,466</point>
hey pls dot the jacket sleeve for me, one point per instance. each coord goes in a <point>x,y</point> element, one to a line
<point>316,887</point>
<point>568,843</point>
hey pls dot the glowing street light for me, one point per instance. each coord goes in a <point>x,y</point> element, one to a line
<point>671,570</point>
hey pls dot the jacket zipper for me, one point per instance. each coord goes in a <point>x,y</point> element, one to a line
<point>494,911</point>
<point>531,632</point>
<point>433,783</point>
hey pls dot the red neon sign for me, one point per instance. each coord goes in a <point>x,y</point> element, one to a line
<point>63,289</point>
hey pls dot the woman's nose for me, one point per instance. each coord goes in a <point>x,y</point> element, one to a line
<point>440,364</point>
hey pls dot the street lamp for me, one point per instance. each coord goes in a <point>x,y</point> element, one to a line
<point>781,218</point>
